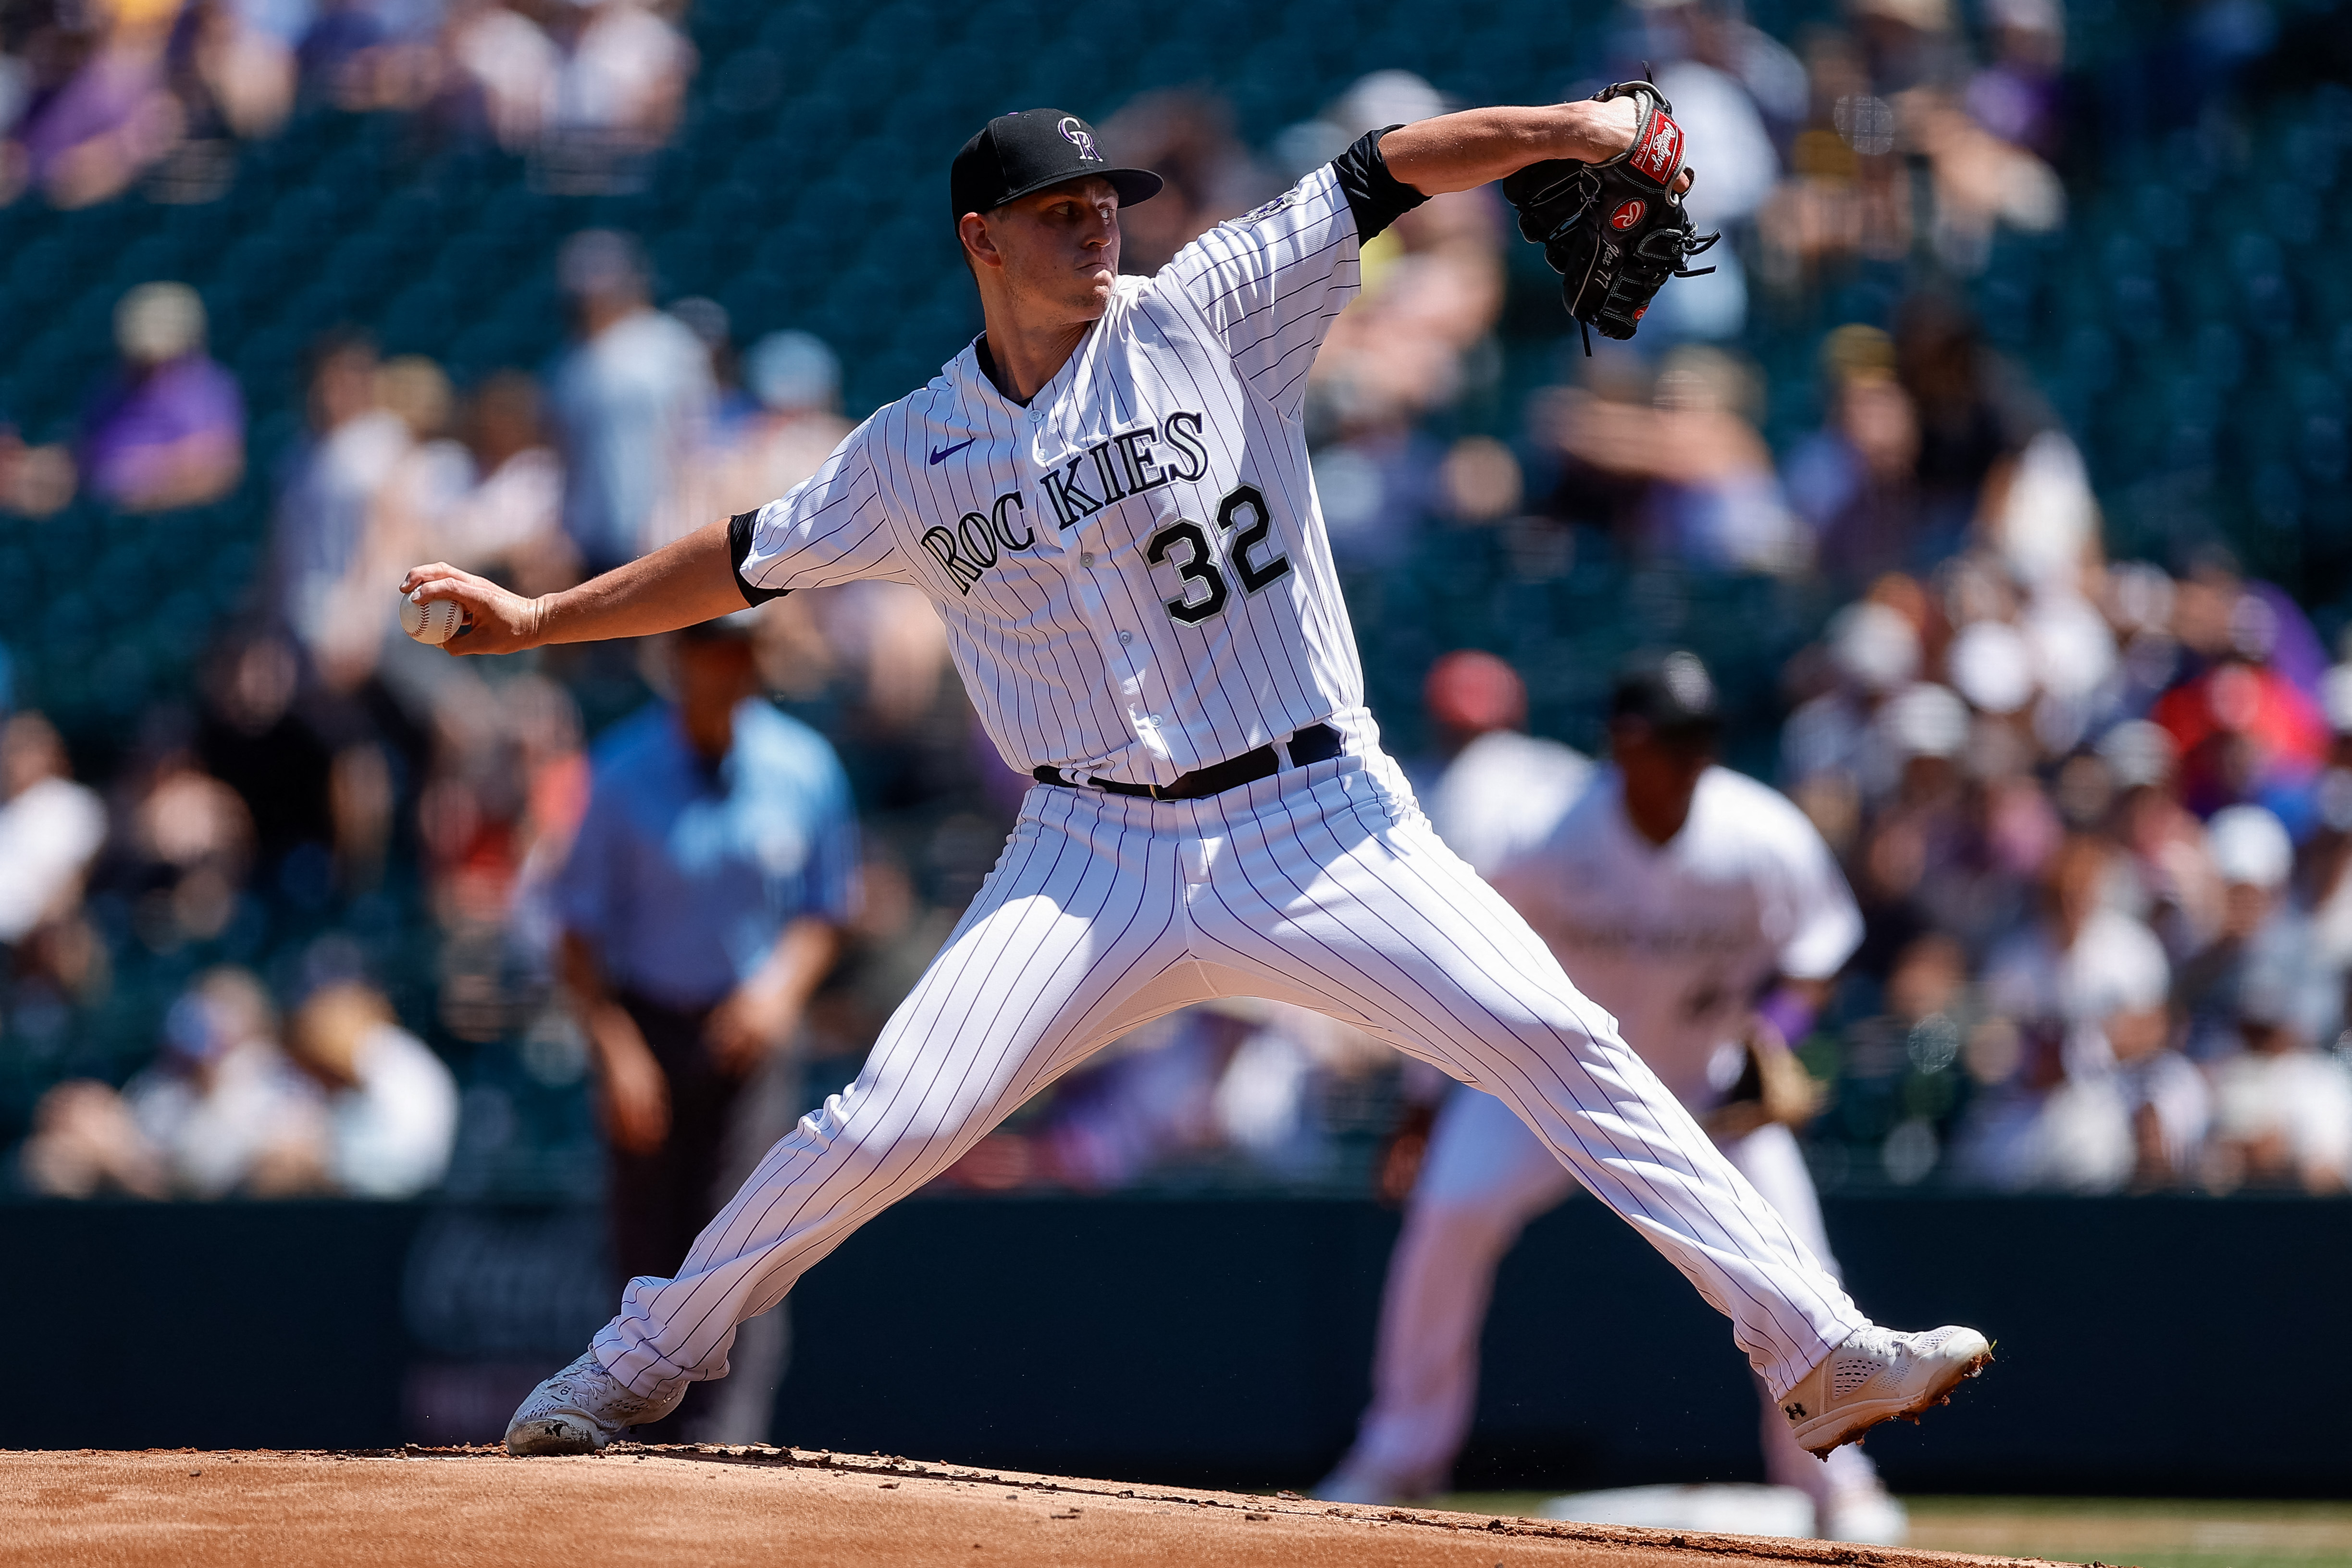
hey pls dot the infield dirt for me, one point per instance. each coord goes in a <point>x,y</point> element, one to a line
<point>708,1505</point>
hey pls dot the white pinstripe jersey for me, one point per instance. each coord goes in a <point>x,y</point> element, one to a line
<point>1132,569</point>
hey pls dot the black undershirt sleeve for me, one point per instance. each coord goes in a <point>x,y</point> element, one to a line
<point>1377,197</point>
<point>739,549</point>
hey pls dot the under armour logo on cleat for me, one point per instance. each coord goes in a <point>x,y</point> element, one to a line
<point>1795,1412</point>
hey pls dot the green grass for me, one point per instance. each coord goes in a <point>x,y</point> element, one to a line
<point>2144,1532</point>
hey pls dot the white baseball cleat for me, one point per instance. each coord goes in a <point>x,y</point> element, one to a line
<point>1875,1375</point>
<point>580,1410</point>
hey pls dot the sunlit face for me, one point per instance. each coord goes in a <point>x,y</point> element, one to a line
<point>1056,251</point>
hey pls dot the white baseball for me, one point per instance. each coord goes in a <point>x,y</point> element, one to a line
<point>434,623</point>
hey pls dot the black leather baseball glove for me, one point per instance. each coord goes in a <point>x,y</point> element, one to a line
<point>1615,231</point>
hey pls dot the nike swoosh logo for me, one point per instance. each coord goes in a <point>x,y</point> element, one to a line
<point>942,453</point>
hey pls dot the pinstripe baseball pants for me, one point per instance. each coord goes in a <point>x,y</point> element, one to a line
<point>1323,886</point>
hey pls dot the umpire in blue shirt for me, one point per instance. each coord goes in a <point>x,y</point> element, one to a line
<point>701,905</point>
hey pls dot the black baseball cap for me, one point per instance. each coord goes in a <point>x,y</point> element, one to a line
<point>1015,155</point>
<point>1671,692</point>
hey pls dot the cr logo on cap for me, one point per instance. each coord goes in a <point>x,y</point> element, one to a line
<point>1075,131</point>
<point>1627,215</point>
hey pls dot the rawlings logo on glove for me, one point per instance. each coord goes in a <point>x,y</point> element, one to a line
<point>1661,153</point>
<point>1614,230</point>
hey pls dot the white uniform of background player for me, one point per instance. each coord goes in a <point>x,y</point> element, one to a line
<point>1138,591</point>
<point>1674,939</point>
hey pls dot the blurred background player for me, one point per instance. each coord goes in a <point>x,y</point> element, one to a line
<point>1679,891</point>
<point>701,905</point>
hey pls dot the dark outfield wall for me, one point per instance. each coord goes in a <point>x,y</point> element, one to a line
<point>2147,1346</point>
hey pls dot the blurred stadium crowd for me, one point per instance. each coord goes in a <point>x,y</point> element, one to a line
<point>2011,521</point>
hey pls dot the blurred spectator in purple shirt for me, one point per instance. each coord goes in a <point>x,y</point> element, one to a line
<point>99,110</point>
<point>169,429</point>
<point>2018,97</point>
<point>1854,481</point>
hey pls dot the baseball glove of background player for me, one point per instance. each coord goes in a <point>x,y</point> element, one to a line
<point>1773,1087</point>
<point>1615,231</point>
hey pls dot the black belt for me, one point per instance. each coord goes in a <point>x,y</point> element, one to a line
<point>1316,743</point>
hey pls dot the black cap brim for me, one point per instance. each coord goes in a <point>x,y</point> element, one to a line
<point>1133,185</point>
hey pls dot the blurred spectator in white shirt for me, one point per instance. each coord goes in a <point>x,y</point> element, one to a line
<point>2264,939</point>
<point>619,81</point>
<point>50,829</point>
<point>362,1108</point>
<point>221,1111</point>
<point>1720,111</point>
<point>490,497</point>
<point>2282,1110</point>
<point>2081,962</point>
<point>631,406</point>
<point>2081,975</point>
<point>506,67</point>
<point>623,72</point>
<point>391,1104</point>
<point>329,496</point>
<point>2168,1099</point>
<point>1869,651</point>
<point>356,623</point>
<point>2163,844</point>
<point>796,381</point>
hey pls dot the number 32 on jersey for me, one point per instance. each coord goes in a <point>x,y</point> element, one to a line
<point>1184,544</point>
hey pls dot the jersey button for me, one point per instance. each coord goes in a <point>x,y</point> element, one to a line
<point>1086,557</point>
<point>1126,637</point>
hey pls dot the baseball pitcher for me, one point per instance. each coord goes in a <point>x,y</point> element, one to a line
<point>1106,496</point>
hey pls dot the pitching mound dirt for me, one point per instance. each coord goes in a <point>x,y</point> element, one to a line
<point>708,1505</point>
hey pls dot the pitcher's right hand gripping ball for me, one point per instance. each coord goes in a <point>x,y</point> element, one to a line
<point>1615,231</point>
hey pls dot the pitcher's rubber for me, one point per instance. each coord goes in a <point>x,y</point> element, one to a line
<point>710,1505</point>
